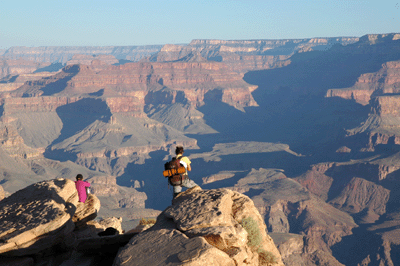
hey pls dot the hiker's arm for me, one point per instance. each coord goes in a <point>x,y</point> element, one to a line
<point>189,168</point>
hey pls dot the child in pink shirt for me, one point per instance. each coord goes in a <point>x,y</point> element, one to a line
<point>81,187</point>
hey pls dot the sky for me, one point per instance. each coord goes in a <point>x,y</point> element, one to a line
<point>156,22</point>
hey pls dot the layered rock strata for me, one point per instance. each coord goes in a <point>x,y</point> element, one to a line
<point>85,59</point>
<point>243,56</point>
<point>11,83</point>
<point>143,83</point>
<point>287,207</point>
<point>13,67</point>
<point>379,90</point>
<point>61,54</point>
<point>384,81</point>
<point>355,187</point>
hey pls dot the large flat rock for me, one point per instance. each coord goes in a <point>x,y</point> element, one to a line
<point>40,216</point>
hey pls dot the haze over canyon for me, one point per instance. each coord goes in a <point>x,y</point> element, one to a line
<point>309,129</point>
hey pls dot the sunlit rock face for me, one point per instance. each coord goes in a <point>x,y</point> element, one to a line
<point>41,215</point>
<point>188,233</point>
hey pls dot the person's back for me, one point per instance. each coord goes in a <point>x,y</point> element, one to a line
<point>185,161</point>
<point>81,188</point>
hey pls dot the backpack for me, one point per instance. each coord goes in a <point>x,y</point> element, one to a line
<point>174,171</point>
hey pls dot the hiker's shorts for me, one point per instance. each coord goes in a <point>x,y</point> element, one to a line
<point>188,183</point>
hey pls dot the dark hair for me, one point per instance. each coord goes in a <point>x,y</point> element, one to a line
<point>79,177</point>
<point>178,150</point>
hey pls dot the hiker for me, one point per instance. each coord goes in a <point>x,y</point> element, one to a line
<point>186,181</point>
<point>81,187</point>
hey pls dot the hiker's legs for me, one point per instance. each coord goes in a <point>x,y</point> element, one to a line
<point>177,190</point>
<point>188,183</point>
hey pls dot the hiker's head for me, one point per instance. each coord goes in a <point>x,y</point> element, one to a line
<point>179,150</point>
<point>79,177</point>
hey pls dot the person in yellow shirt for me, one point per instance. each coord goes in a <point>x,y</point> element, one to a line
<point>186,181</point>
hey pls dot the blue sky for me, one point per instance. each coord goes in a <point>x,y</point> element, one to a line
<point>146,22</point>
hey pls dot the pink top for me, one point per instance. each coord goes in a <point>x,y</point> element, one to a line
<point>81,187</point>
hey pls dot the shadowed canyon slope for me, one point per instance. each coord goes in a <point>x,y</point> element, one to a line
<point>308,129</point>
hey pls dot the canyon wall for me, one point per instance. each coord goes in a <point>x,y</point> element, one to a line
<point>117,123</point>
<point>62,54</point>
<point>385,81</point>
<point>14,67</point>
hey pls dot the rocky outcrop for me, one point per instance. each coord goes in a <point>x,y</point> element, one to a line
<point>44,222</point>
<point>41,215</point>
<point>187,233</point>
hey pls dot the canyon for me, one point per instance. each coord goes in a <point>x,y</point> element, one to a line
<point>308,129</point>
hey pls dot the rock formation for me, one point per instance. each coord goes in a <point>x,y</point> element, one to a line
<point>287,207</point>
<point>147,83</point>
<point>46,218</point>
<point>61,54</point>
<point>384,81</point>
<point>14,67</point>
<point>41,216</point>
<point>88,59</point>
<point>44,223</point>
<point>117,122</point>
<point>243,56</point>
<point>188,233</point>
<point>361,195</point>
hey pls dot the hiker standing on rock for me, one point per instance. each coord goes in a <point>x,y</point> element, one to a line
<point>81,187</point>
<point>176,177</point>
<point>186,181</point>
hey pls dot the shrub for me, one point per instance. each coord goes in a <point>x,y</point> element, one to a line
<point>144,221</point>
<point>254,240</point>
<point>265,257</point>
<point>253,232</point>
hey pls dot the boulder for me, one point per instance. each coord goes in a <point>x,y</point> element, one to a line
<point>87,211</point>
<point>210,227</point>
<point>170,246</point>
<point>40,216</point>
<point>113,222</point>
